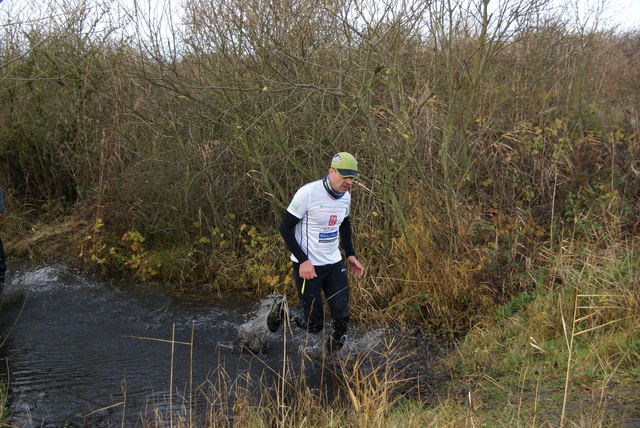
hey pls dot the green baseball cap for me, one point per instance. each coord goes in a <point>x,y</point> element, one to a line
<point>345,164</point>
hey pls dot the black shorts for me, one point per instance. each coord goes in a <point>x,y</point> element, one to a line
<point>330,280</point>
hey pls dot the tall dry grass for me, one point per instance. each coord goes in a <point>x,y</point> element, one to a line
<point>567,351</point>
<point>364,392</point>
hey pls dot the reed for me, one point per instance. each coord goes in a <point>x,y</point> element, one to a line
<point>365,395</point>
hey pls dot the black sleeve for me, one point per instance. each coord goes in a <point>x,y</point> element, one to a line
<point>346,237</point>
<point>287,230</point>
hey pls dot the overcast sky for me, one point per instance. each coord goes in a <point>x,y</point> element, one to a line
<point>623,12</point>
<point>631,17</point>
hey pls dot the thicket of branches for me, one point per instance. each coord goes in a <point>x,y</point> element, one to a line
<point>484,135</point>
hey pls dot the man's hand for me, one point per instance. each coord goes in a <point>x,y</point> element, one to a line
<point>1,217</point>
<point>355,267</point>
<point>307,271</point>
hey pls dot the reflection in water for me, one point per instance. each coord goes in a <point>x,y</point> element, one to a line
<point>81,351</point>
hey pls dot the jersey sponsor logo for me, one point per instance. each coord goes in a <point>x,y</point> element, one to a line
<point>294,206</point>
<point>328,237</point>
<point>333,219</point>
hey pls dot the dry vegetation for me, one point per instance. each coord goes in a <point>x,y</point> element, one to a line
<point>499,186</point>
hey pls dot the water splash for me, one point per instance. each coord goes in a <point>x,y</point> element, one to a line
<point>43,276</point>
<point>253,334</point>
<point>256,337</point>
<point>363,342</point>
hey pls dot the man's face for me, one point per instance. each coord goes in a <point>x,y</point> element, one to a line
<point>339,183</point>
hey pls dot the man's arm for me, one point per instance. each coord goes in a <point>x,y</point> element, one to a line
<point>346,240</point>
<point>346,237</point>
<point>287,230</point>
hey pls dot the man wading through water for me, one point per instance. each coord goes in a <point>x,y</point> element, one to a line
<point>314,225</point>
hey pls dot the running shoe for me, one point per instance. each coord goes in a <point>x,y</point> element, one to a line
<point>274,319</point>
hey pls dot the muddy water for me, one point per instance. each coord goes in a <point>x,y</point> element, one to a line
<point>82,351</point>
